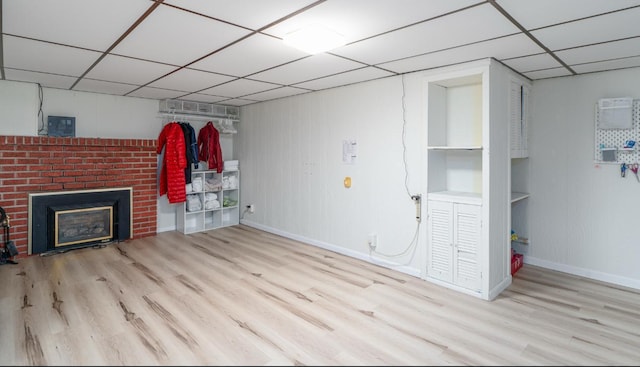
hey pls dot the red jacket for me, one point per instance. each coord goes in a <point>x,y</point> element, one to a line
<point>209,147</point>
<point>172,177</point>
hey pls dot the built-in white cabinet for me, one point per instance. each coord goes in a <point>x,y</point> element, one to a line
<point>455,235</point>
<point>519,101</point>
<point>468,190</point>
<point>520,204</point>
<point>212,201</point>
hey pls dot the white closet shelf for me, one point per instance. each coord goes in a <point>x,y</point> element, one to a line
<point>197,117</point>
<point>224,125</point>
<point>522,241</point>
<point>444,147</point>
<point>517,196</point>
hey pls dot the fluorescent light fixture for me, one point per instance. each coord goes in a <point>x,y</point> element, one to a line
<point>314,39</point>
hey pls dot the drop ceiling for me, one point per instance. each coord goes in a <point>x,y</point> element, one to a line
<point>231,52</point>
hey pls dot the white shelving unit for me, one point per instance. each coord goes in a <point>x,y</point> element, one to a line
<point>519,213</point>
<point>467,178</point>
<point>519,101</point>
<point>212,201</point>
<point>223,117</point>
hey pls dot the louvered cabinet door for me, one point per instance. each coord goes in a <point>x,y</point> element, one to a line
<point>440,240</point>
<point>466,241</point>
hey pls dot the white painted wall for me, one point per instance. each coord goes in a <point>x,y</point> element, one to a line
<point>97,116</point>
<point>18,108</point>
<point>583,216</point>
<point>290,153</point>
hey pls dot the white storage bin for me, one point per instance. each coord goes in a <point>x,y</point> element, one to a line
<point>231,165</point>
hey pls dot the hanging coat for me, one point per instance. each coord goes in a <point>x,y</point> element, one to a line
<point>191,146</point>
<point>209,149</point>
<point>172,179</point>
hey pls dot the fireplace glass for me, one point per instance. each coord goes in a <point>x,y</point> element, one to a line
<point>76,226</point>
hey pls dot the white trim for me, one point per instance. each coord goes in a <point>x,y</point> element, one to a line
<point>337,249</point>
<point>583,272</point>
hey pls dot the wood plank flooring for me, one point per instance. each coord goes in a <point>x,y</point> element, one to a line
<point>241,296</point>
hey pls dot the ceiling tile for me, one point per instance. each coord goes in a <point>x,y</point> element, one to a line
<point>92,24</point>
<point>628,62</point>
<point>155,93</point>
<point>312,67</point>
<point>504,47</point>
<point>255,54</point>
<point>276,93</point>
<point>358,19</point>
<point>592,30</point>
<point>128,70</point>
<point>547,73</point>
<point>99,86</point>
<point>534,62</point>
<point>190,80</point>
<point>460,28</point>
<point>239,88</point>
<point>253,14</point>
<point>44,79</point>
<point>538,13</point>
<point>26,54</point>
<point>610,50</point>
<point>238,102</point>
<point>198,97</point>
<point>177,37</point>
<point>349,77</point>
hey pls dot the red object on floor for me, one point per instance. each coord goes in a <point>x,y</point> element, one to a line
<point>516,262</point>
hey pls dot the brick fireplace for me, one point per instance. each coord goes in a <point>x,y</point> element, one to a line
<point>38,164</point>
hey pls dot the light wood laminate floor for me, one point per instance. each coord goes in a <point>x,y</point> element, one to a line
<point>241,296</point>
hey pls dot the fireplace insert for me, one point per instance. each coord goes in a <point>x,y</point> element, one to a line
<point>67,220</point>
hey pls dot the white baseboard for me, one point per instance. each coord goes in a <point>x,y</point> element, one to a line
<point>166,229</point>
<point>337,249</point>
<point>586,273</point>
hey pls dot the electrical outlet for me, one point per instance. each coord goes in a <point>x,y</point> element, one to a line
<point>373,241</point>
<point>251,208</point>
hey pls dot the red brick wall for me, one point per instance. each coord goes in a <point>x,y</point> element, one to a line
<point>36,164</point>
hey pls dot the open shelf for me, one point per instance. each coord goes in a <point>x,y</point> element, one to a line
<point>517,196</point>
<point>521,241</point>
<point>455,148</point>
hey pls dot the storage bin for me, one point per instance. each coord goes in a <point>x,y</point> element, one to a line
<point>231,165</point>
<point>516,262</point>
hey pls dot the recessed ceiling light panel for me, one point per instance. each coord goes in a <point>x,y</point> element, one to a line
<point>314,39</point>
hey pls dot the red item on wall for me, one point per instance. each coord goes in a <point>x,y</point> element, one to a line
<point>172,178</point>
<point>209,149</point>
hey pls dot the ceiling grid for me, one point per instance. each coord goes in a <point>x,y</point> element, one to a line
<point>218,52</point>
